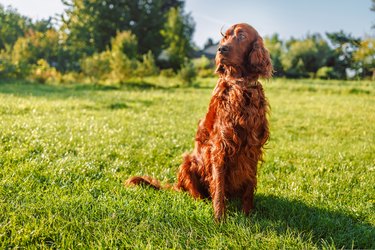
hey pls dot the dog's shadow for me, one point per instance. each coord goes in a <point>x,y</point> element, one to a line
<point>341,229</point>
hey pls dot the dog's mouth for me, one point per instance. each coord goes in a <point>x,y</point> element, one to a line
<point>222,59</point>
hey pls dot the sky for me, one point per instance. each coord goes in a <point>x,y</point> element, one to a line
<point>288,18</point>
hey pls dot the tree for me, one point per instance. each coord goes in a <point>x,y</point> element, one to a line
<point>7,68</point>
<point>125,42</point>
<point>12,26</point>
<point>276,48</point>
<point>90,25</point>
<point>97,66</point>
<point>344,45</point>
<point>147,19</point>
<point>177,34</point>
<point>123,56</point>
<point>42,25</point>
<point>37,45</point>
<point>120,62</point>
<point>304,57</point>
<point>365,57</point>
<point>187,72</point>
<point>20,45</point>
<point>147,66</point>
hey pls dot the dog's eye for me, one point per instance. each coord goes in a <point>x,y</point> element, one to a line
<point>241,36</point>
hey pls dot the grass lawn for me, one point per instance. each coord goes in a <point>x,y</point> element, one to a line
<point>65,152</point>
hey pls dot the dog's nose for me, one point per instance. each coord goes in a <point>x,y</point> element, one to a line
<point>223,49</point>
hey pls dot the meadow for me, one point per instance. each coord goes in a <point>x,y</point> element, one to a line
<point>65,152</point>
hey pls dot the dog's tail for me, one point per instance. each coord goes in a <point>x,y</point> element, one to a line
<point>150,182</point>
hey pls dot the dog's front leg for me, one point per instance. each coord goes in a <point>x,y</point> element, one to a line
<point>248,199</point>
<point>218,185</point>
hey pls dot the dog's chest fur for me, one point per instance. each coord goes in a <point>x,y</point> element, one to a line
<point>239,104</point>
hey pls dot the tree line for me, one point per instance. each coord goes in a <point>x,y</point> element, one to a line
<point>102,39</point>
<point>115,40</point>
<point>339,56</point>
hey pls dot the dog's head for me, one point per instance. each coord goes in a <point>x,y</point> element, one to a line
<point>241,52</point>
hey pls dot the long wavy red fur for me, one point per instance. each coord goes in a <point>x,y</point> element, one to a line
<point>230,138</point>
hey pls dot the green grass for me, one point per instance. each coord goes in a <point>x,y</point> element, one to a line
<point>65,152</point>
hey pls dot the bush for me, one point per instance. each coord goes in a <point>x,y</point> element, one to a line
<point>203,66</point>
<point>147,66</point>
<point>187,73</point>
<point>7,68</point>
<point>43,72</point>
<point>325,73</point>
<point>167,73</point>
<point>21,54</point>
<point>97,67</point>
<point>126,43</point>
<point>71,77</point>
<point>119,64</point>
<point>122,67</point>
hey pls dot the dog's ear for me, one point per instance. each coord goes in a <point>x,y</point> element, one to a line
<point>260,60</point>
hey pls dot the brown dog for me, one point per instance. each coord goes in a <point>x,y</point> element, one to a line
<point>230,138</point>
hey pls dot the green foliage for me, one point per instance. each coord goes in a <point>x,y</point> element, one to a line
<point>177,35</point>
<point>36,45</point>
<point>344,45</point>
<point>71,77</point>
<point>29,50</point>
<point>305,57</point>
<point>365,56</point>
<point>148,19</point>
<point>123,56</point>
<point>187,73</point>
<point>120,63</point>
<point>125,43</point>
<point>122,67</point>
<point>98,66</point>
<point>12,26</point>
<point>21,54</point>
<point>203,66</point>
<point>138,38</point>
<point>92,24</point>
<point>43,25</point>
<point>325,73</point>
<point>147,66</point>
<point>169,73</point>
<point>43,72</point>
<point>66,151</point>
<point>276,49</point>
<point>7,68</point>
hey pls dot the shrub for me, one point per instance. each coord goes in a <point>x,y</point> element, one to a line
<point>7,68</point>
<point>118,64</point>
<point>167,73</point>
<point>187,73</point>
<point>203,66</point>
<point>43,72</point>
<point>71,77</point>
<point>126,43</point>
<point>147,66</point>
<point>122,67</point>
<point>97,67</point>
<point>34,46</point>
<point>325,73</point>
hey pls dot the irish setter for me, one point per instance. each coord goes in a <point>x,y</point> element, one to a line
<point>230,138</point>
